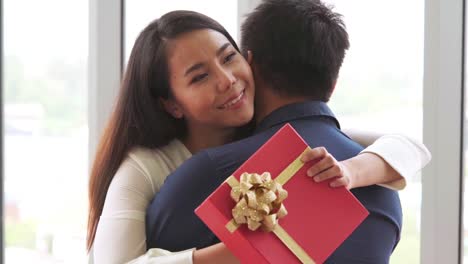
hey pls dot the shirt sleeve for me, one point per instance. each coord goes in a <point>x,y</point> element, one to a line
<point>171,214</point>
<point>161,256</point>
<point>405,155</point>
<point>120,235</point>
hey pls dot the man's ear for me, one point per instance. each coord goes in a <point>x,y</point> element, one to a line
<point>249,57</point>
<point>171,107</point>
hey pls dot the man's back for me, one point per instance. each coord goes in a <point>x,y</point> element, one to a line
<point>172,224</point>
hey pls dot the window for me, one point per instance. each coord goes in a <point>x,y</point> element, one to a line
<point>380,87</point>
<point>45,130</point>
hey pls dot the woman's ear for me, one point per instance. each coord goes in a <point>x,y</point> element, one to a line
<point>172,108</point>
<point>249,57</point>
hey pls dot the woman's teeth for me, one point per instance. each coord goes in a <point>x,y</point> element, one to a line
<point>231,103</point>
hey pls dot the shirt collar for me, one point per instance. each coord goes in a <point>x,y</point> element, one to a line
<point>296,111</point>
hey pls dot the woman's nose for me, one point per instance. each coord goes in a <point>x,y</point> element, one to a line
<point>226,79</point>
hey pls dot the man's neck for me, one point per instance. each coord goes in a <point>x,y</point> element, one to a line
<point>268,101</point>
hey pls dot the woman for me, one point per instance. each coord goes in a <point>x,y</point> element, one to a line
<point>175,101</point>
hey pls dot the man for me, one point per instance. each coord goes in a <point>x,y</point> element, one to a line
<point>297,48</point>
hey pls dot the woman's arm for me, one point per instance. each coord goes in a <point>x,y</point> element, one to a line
<point>405,155</point>
<point>389,161</point>
<point>161,256</point>
<point>121,232</point>
<point>218,253</point>
<point>120,235</point>
<point>214,254</point>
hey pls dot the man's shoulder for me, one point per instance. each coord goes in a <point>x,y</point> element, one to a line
<point>209,168</point>
<point>321,133</point>
<point>224,160</point>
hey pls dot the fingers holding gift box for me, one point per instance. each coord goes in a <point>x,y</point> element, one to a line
<point>326,167</point>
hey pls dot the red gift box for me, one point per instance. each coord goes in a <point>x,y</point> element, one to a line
<point>319,217</point>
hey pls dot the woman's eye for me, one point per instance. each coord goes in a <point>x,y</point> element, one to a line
<point>229,57</point>
<point>198,78</point>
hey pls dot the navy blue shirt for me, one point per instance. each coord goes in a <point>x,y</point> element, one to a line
<point>172,224</point>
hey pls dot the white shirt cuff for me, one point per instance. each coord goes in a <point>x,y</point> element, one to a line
<point>406,156</point>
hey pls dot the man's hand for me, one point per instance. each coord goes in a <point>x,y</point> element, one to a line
<point>327,167</point>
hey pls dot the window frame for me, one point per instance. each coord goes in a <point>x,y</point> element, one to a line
<point>105,65</point>
<point>2,258</point>
<point>442,193</point>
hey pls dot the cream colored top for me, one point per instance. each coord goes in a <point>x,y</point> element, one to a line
<point>120,235</point>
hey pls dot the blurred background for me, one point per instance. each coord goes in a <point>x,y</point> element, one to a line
<point>46,107</point>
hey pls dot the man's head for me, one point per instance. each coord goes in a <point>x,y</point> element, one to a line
<point>298,46</point>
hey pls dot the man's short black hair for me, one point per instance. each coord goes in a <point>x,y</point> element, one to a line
<point>298,46</point>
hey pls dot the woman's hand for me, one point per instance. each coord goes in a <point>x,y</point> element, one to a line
<point>327,167</point>
<point>214,254</point>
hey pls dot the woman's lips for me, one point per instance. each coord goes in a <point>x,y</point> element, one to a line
<point>232,103</point>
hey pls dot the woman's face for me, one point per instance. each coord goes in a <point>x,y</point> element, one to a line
<point>212,84</point>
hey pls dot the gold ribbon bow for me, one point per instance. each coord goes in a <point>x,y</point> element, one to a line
<point>259,201</point>
<point>242,209</point>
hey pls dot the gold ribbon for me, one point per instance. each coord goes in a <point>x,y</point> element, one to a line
<point>241,210</point>
<point>259,201</point>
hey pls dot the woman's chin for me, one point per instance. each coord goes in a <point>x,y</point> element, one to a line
<point>243,119</point>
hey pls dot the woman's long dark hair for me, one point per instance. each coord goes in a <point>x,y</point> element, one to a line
<point>138,118</point>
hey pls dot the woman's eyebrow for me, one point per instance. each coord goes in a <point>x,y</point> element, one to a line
<point>223,47</point>
<point>193,68</point>
<point>197,66</point>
